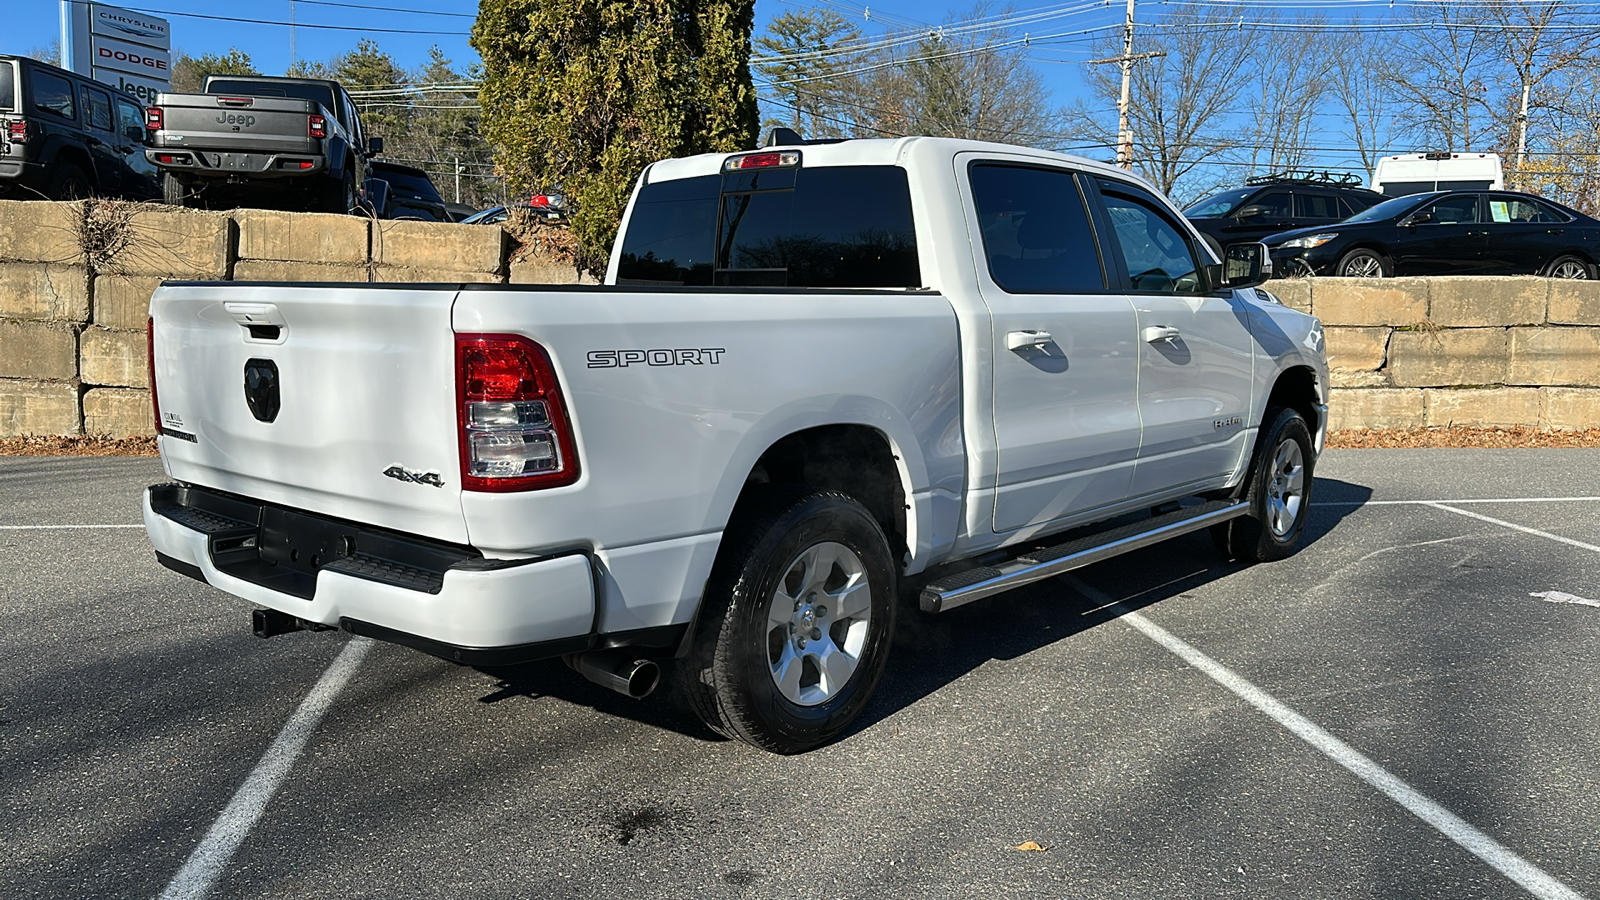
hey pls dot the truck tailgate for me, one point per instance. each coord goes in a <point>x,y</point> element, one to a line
<point>364,426</point>
<point>266,125</point>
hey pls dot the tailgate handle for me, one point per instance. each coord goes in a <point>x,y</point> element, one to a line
<point>262,322</point>
<point>235,101</point>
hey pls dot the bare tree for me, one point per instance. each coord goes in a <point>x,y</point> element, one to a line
<point>1443,82</point>
<point>1180,101</point>
<point>959,81</point>
<point>1290,77</point>
<point>1359,80</point>
<point>1539,44</point>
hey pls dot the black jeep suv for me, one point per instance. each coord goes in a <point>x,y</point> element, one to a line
<point>1274,203</point>
<point>64,136</point>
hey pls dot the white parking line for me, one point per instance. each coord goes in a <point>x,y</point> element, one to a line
<point>1456,502</point>
<point>1533,879</point>
<point>205,864</point>
<point>1513,526</point>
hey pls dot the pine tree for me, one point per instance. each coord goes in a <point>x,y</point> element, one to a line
<point>579,96</point>
<point>806,62</point>
<point>189,72</point>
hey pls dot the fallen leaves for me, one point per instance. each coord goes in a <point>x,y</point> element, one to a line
<point>47,445</point>
<point>1030,847</point>
<point>1518,437</point>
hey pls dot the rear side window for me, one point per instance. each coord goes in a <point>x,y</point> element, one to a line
<point>1318,206</point>
<point>97,108</point>
<point>8,85</point>
<point>1523,210</point>
<point>827,227</point>
<point>51,93</point>
<point>1035,230</point>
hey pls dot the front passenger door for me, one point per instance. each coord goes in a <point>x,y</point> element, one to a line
<point>1196,359</point>
<point>1448,241</point>
<point>141,180</point>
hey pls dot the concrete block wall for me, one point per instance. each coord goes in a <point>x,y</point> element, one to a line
<point>1463,351</point>
<point>74,302</point>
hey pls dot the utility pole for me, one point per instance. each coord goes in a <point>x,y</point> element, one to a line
<point>292,57</point>
<point>1126,60</point>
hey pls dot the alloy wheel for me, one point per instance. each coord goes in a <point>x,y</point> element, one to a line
<point>1287,489</point>
<point>817,623</point>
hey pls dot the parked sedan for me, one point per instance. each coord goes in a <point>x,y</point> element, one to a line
<point>1446,233</point>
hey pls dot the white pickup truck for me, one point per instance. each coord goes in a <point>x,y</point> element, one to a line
<point>815,375</point>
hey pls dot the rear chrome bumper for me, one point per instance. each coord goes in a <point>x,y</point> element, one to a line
<point>444,600</point>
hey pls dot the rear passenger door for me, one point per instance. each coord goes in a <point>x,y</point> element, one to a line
<point>1195,353</point>
<point>1065,364</point>
<point>100,124</point>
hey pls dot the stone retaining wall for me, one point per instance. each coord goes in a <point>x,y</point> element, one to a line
<point>1485,352</point>
<point>75,290</point>
<point>76,280</point>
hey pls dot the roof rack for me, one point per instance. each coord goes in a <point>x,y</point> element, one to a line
<point>1306,176</point>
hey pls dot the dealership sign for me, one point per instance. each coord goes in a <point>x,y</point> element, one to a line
<point>128,50</point>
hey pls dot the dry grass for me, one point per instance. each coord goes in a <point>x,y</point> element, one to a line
<point>77,446</point>
<point>1519,436</point>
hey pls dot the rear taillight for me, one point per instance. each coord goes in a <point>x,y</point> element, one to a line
<point>154,118</point>
<point>515,433</point>
<point>17,131</point>
<point>317,126</point>
<point>150,345</point>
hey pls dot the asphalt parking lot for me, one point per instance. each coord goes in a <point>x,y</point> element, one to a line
<point>136,709</point>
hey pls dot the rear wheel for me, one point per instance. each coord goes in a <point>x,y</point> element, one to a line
<point>341,196</point>
<point>795,623</point>
<point>1278,491</point>
<point>1364,263</point>
<point>175,192</point>
<point>1568,266</point>
<point>69,183</point>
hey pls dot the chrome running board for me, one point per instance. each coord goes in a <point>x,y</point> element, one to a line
<point>954,590</point>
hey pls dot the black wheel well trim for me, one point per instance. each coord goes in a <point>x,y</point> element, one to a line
<point>856,459</point>
<point>1579,252</point>
<point>1296,388</point>
<point>78,156</point>
<point>1366,244</point>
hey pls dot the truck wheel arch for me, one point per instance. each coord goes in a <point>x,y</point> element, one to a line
<point>64,152</point>
<point>857,459</point>
<point>1296,388</point>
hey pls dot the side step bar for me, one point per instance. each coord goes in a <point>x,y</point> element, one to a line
<point>986,581</point>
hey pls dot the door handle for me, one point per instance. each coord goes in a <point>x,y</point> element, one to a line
<point>1155,334</point>
<point>1554,230</point>
<point>1020,340</point>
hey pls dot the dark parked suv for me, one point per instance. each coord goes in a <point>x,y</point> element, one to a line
<point>1275,203</point>
<point>64,136</point>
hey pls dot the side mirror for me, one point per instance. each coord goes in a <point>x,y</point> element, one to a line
<point>377,197</point>
<point>374,146</point>
<point>134,133</point>
<point>1418,219</point>
<point>1250,212</point>
<point>1246,265</point>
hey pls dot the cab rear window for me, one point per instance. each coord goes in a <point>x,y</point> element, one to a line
<point>824,227</point>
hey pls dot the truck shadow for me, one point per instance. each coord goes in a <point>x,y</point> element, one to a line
<point>931,652</point>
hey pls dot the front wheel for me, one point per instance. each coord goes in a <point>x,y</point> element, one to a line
<point>1364,264</point>
<point>1278,491</point>
<point>795,623</point>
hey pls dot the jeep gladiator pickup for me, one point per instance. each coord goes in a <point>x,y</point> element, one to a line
<point>814,375</point>
<point>260,139</point>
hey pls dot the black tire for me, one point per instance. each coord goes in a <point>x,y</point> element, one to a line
<point>68,182</point>
<point>175,192</point>
<point>1267,533</point>
<point>1569,266</point>
<point>1364,263</point>
<point>341,196</point>
<point>731,675</point>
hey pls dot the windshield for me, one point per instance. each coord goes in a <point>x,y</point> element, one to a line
<point>246,88</point>
<point>1389,209</point>
<point>1218,204</point>
<point>8,85</point>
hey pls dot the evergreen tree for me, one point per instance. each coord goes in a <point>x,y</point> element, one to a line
<point>805,63</point>
<point>189,72</point>
<point>579,96</point>
<point>368,68</point>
